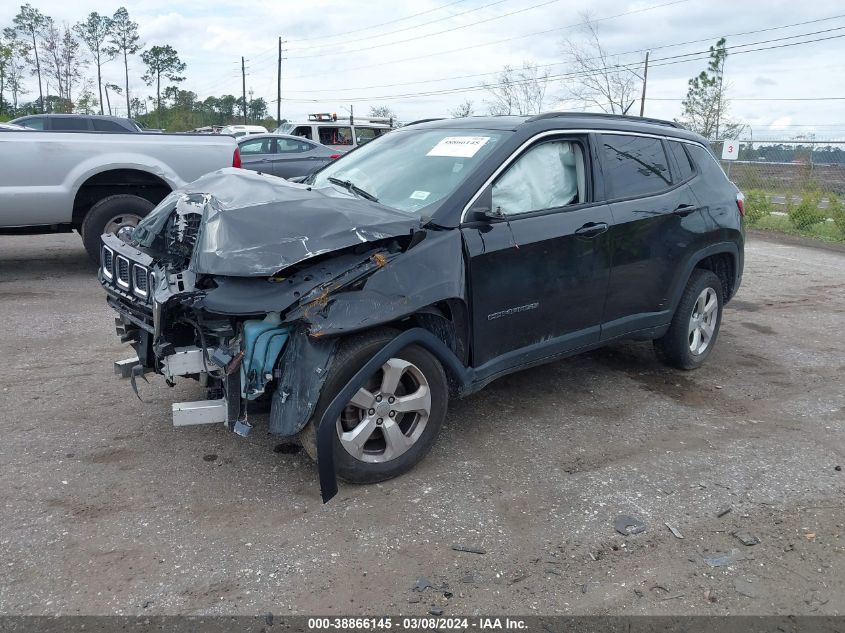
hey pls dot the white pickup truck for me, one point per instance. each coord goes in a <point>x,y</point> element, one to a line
<point>98,183</point>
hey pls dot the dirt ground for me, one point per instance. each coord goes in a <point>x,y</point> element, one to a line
<point>105,508</point>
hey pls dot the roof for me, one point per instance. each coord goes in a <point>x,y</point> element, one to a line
<point>60,115</point>
<point>566,120</point>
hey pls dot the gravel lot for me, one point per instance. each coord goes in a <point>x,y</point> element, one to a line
<point>105,508</point>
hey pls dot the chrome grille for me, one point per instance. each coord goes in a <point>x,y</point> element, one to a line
<point>108,262</point>
<point>140,280</point>
<point>122,272</point>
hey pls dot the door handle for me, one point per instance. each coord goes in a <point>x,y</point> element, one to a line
<point>592,229</point>
<point>684,210</point>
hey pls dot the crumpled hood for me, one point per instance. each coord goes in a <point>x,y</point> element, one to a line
<point>257,225</point>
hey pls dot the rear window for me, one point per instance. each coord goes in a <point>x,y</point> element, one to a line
<point>255,146</point>
<point>69,124</point>
<point>291,146</point>
<point>35,123</point>
<point>634,165</point>
<point>103,125</point>
<point>685,168</point>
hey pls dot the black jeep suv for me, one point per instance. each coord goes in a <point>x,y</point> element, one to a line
<point>426,264</point>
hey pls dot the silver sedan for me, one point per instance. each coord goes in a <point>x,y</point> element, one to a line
<point>283,155</point>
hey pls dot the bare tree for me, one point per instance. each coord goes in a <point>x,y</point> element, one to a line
<point>599,79</point>
<point>63,62</point>
<point>518,90</point>
<point>466,109</point>
<point>51,45</point>
<point>386,112</point>
<point>15,65</point>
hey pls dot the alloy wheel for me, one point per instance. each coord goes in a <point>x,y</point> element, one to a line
<point>702,323</point>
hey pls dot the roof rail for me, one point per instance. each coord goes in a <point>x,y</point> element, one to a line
<point>602,115</point>
<point>437,118</point>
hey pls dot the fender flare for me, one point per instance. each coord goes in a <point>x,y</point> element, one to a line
<point>326,429</point>
<point>729,248</point>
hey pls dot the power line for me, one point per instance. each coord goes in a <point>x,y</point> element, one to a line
<point>334,71</point>
<point>666,61</point>
<point>637,51</point>
<point>450,30</point>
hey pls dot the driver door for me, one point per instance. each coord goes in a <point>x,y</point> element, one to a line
<point>539,256</point>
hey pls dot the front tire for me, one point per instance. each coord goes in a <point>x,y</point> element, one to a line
<point>392,422</point>
<point>118,214</point>
<point>695,324</point>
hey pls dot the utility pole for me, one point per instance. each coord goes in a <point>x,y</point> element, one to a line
<point>279,88</point>
<point>243,79</point>
<point>645,81</point>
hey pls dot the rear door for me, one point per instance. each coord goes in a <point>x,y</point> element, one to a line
<point>294,157</point>
<point>655,220</point>
<point>257,154</point>
<point>337,137</point>
<point>539,272</point>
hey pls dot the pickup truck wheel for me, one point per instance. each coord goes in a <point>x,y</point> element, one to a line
<point>118,214</point>
<point>695,325</point>
<point>392,422</point>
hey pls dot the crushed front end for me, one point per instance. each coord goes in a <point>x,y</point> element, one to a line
<point>244,283</point>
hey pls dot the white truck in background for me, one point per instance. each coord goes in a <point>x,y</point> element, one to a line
<point>97,183</point>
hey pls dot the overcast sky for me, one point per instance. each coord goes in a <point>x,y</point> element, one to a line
<point>325,63</point>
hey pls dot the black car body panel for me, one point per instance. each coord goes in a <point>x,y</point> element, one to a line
<point>237,250</point>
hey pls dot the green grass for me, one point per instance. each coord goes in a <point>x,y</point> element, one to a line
<point>826,231</point>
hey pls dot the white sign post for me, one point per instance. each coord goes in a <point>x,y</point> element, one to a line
<point>730,150</point>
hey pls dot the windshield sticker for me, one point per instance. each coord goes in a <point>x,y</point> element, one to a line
<point>459,146</point>
<point>420,195</point>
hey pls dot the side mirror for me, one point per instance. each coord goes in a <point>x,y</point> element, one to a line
<point>483,209</point>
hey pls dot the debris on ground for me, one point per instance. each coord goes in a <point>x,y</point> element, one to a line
<point>837,468</point>
<point>422,584</point>
<point>810,536</point>
<point>518,576</point>
<point>470,549</point>
<point>469,579</point>
<point>674,530</point>
<point>723,512</point>
<point>626,525</point>
<point>723,559</point>
<point>746,538</point>
<point>435,611</point>
<point>413,599</point>
<point>209,458</point>
<point>672,597</point>
<point>710,595</point>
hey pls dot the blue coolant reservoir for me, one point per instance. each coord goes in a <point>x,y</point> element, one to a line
<point>263,342</point>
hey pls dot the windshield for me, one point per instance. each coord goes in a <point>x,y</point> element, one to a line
<point>411,170</point>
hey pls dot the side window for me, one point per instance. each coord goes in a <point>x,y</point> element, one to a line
<point>255,146</point>
<point>547,176</point>
<point>290,146</point>
<point>707,163</point>
<point>335,135</point>
<point>34,123</point>
<point>634,165</point>
<point>365,134</point>
<point>304,131</point>
<point>69,124</point>
<point>104,125</point>
<point>685,168</point>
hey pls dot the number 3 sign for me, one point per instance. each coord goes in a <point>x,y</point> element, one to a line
<point>730,150</point>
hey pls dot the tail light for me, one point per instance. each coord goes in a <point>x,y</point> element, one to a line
<point>740,203</point>
<point>236,157</point>
<point>335,156</point>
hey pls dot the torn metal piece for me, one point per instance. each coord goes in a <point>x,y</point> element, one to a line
<point>626,525</point>
<point>199,412</point>
<point>470,549</point>
<point>746,538</point>
<point>723,559</point>
<point>137,370</point>
<point>123,368</point>
<point>674,530</point>
<point>723,512</point>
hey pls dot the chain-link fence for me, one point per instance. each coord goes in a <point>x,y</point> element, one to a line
<point>796,185</point>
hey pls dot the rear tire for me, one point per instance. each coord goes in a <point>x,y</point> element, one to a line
<point>397,440</point>
<point>695,324</point>
<point>119,213</point>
